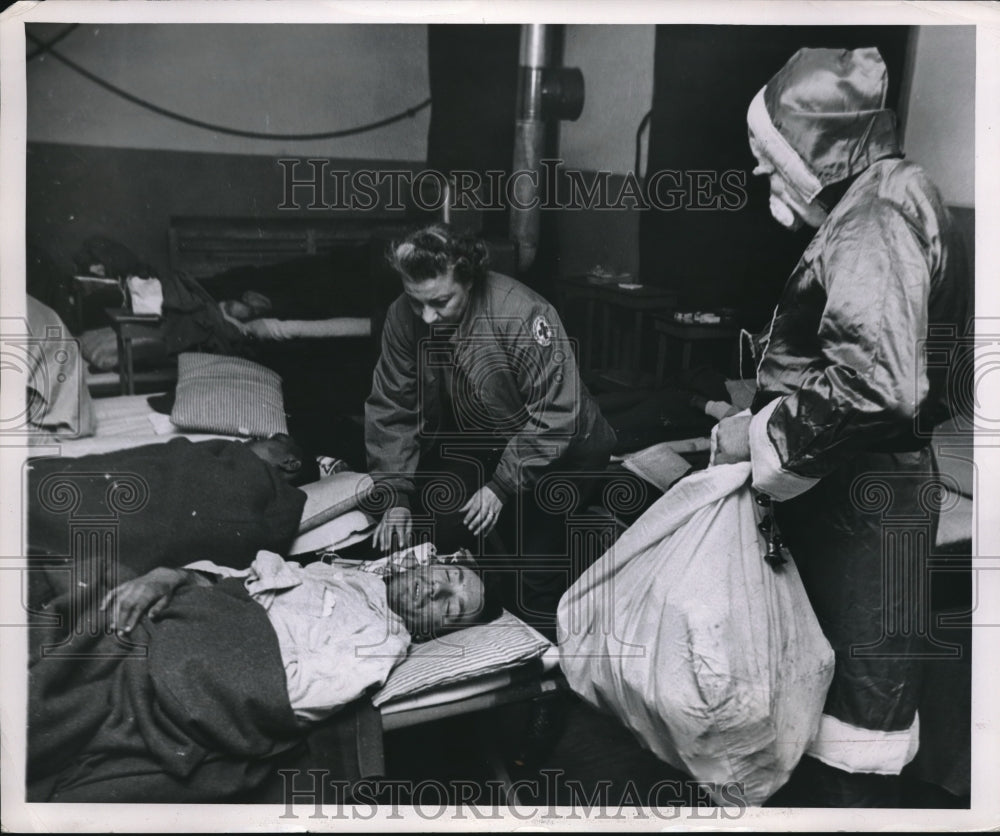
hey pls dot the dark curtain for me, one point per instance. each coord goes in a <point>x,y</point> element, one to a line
<point>705,78</point>
<point>473,79</point>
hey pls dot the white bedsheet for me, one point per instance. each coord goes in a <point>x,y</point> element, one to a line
<point>122,422</point>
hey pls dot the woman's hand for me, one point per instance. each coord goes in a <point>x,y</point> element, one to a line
<point>132,599</point>
<point>482,511</point>
<point>394,530</point>
<point>733,440</point>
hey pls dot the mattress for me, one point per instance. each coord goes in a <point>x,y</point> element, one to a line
<point>123,422</point>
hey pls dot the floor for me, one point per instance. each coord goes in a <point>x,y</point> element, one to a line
<point>595,767</point>
<point>594,761</point>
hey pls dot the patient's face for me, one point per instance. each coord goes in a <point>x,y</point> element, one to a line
<point>436,598</point>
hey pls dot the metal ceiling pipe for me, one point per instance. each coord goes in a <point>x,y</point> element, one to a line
<point>529,144</point>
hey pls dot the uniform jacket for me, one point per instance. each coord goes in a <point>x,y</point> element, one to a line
<point>514,377</point>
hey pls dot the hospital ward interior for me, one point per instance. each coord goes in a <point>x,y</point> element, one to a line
<point>533,412</point>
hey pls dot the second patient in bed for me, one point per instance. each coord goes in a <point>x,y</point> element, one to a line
<point>249,315</point>
<point>284,454</point>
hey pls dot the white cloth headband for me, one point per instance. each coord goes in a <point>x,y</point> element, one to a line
<point>777,149</point>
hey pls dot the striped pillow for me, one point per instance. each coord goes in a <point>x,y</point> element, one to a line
<point>464,654</point>
<point>230,395</point>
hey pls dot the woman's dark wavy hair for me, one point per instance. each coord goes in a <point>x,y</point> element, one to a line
<point>434,250</point>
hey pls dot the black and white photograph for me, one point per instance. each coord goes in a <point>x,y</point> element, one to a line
<point>492,416</point>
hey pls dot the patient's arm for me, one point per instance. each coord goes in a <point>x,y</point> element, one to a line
<point>149,593</point>
<point>288,329</point>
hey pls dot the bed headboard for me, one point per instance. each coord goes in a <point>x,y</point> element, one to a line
<point>206,246</point>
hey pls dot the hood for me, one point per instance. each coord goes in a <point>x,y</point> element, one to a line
<point>822,118</point>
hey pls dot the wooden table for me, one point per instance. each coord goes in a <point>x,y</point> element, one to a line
<point>689,333</point>
<point>601,302</point>
<point>127,325</point>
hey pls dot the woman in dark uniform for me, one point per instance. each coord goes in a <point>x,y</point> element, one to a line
<point>477,394</point>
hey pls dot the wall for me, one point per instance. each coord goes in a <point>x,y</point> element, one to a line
<point>940,121</point>
<point>276,79</point>
<point>617,64</point>
<point>279,79</point>
<point>312,78</point>
<point>130,194</point>
<point>98,164</point>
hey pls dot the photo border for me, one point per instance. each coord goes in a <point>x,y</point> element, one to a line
<point>985,812</point>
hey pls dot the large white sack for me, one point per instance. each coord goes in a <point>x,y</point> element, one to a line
<point>682,630</point>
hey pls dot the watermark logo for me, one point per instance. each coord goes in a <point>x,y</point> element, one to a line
<point>312,184</point>
<point>84,581</point>
<point>523,382</point>
<point>555,797</point>
<point>50,370</point>
<point>963,365</point>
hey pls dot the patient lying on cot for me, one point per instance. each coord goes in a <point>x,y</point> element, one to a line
<point>341,626</point>
<point>222,675</point>
<point>248,315</point>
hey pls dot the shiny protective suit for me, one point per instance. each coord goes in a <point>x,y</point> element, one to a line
<point>846,398</point>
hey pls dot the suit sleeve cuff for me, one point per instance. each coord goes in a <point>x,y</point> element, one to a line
<point>503,492</point>
<point>768,474</point>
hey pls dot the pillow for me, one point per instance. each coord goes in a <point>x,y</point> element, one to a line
<point>464,654</point>
<point>338,533</point>
<point>332,496</point>
<point>219,394</point>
